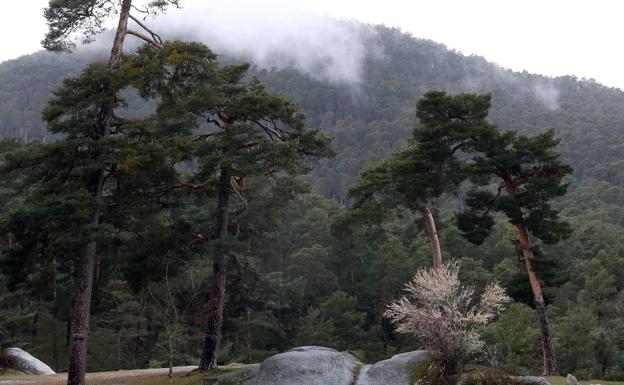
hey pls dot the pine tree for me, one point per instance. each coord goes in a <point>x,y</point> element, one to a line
<point>420,175</point>
<point>456,142</point>
<point>66,19</point>
<point>243,131</point>
<point>529,175</point>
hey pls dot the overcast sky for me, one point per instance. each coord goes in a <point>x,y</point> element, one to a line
<point>551,37</point>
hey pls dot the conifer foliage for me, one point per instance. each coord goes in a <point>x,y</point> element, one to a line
<point>419,176</point>
<point>241,131</point>
<point>526,171</point>
<point>528,175</point>
<point>453,144</point>
<point>165,161</point>
<point>207,117</point>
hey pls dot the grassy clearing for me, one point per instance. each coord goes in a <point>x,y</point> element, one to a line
<point>126,377</point>
<point>562,381</point>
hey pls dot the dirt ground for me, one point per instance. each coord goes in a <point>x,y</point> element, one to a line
<point>182,376</point>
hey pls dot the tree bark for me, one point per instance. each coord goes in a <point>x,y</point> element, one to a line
<point>170,372</point>
<point>86,264</point>
<point>80,316</point>
<point>550,360</point>
<point>216,304</point>
<point>433,238</point>
<point>120,34</point>
<point>248,337</point>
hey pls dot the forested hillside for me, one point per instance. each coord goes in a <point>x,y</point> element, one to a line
<point>303,278</point>
<point>370,118</point>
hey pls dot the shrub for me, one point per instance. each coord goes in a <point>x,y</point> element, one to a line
<point>445,316</point>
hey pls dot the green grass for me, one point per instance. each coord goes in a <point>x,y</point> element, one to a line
<point>562,381</point>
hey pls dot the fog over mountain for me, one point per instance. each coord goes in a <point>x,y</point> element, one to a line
<point>273,35</point>
<point>357,82</point>
<point>276,35</point>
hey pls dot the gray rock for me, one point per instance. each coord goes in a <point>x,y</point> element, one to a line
<point>307,365</point>
<point>235,378</point>
<point>532,380</point>
<point>571,380</point>
<point>18,359</point>
<point>394,371</point>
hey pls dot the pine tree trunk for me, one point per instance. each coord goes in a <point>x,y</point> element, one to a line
<point>80,316</point>
<point>86,264</point>
<point>35,324</point>
<point>433,238</point>
<point>120,35</point>
<point>550,361</point>
<point>170,372</point>
<point>150,340</point>
<point>248,338</point>
<point>210,352</point>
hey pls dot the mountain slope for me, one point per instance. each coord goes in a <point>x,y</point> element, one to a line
<point>373,117</point>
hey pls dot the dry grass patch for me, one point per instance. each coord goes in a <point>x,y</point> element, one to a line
<point>562,381</point>
<point>182,376</point>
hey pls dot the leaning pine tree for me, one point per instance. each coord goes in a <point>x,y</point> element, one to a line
<point>528,175</point>
<point>420,175</point>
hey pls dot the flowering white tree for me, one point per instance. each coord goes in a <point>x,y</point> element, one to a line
<point>445,316</point>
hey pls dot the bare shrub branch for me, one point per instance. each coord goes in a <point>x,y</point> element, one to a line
<point>444,315</point>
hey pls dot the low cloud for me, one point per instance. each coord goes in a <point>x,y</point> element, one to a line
<point>274,34</point>
<point>547,93</point>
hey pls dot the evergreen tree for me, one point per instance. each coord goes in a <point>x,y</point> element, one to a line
<point>244,131</point>
<point>528,175</point>
<point>420,175</point>
<point>51,221</point>
<point>65,19</point>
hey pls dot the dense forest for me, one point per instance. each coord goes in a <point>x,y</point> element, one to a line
<point>303,272</point>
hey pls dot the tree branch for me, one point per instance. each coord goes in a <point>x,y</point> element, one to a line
<point>203,136</point>
<point>154,35</point>
<point>182,185</point>
<point>238,193</point>
<point>271,131</point>
<point>143,37</point>
<point>458,147</point>
<point>199,238</point>
<point>145,11</point>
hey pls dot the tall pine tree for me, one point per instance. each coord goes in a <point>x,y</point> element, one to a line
<point>88,124</point>
<point>242,131</point>
<point>528,175</point>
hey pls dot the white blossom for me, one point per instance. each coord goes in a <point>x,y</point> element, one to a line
<point>443,314</point>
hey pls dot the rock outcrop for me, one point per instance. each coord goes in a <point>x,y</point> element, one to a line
<point>571,380</point>
<point>235,378</point>
<point>397,370</point>
<point>307,365</point>
<point>315,365</point>
<point>20,360</point>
